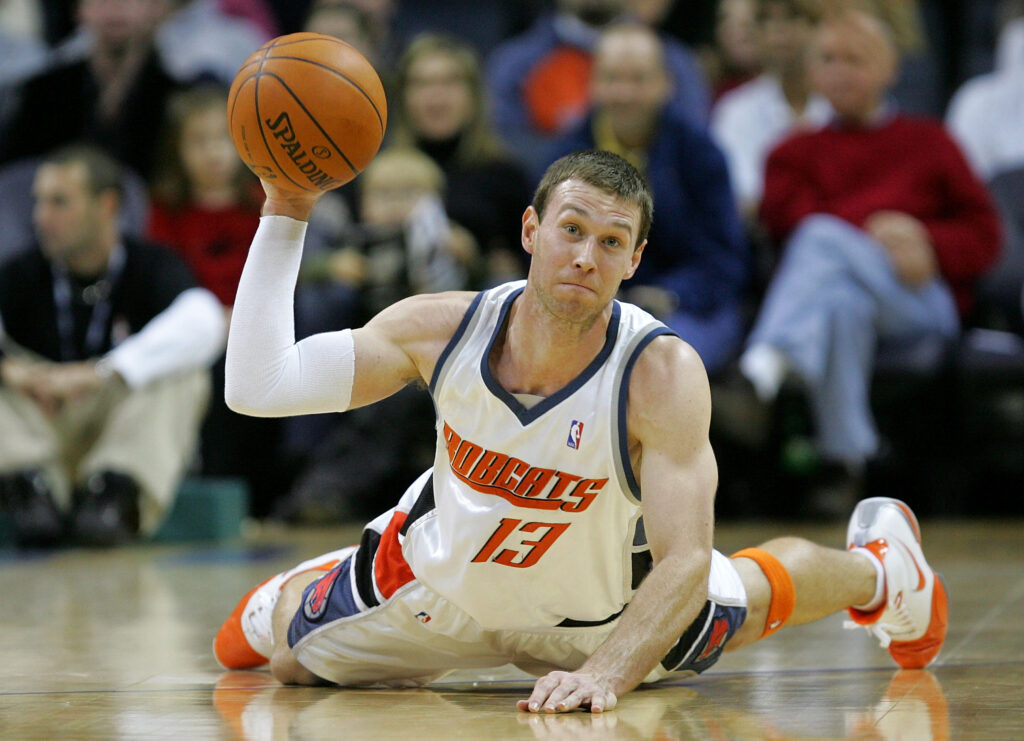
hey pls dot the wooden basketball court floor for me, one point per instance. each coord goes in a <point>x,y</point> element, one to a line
<point>116,645</point>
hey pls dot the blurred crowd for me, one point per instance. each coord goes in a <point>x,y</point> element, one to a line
<point>839,223</point>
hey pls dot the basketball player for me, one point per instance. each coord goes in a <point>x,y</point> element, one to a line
<point>566,525</point>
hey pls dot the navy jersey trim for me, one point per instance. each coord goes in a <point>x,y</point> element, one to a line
<point>528,415</point>
<point>455,339</point>
<point>423,506</point>
<point>363,565</point>
<point>702,643</point>
<point>627,466</point>
<point>570,623</point>
<point>674,658</point>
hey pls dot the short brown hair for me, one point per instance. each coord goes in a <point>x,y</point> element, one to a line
<point>102,171</point>
<point>606,171</point>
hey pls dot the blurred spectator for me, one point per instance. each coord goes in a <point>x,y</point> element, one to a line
<point>16,228</point>
<point>350,23</point>
<point>23,51</point>
<point>103,358</point>
<point>113,97</point>
<point>197,40</point>
<point>258,12</point>
<point>734,56</point>
<point>540,80</point>
<point>375,19</point>
<point>752,118</point>
<point>481,23</point>
<point>886,230</point>
<point>440,110</point>
<point>404,244</point>
<point>918,86</point>
<point>695,264</point>
<point>206,206</point>
<point>987,117</point>
<point>1010,48</point>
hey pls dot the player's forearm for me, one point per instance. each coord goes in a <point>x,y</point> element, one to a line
<point>266,373</point>
<point>668,600</point>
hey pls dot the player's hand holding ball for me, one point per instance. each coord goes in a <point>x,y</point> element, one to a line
<point>306,113</point>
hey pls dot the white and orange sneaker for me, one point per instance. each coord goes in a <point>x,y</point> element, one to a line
<point>911,619</point>
<point>246,639</point>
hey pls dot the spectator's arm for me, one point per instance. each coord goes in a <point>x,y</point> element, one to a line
<point>967,239</point>
<point>189,333</point>
<point>790,193</point>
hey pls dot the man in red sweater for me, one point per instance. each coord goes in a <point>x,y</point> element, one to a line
<point>885,229</point>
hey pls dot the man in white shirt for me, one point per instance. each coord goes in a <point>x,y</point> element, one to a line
<point>748,121</point>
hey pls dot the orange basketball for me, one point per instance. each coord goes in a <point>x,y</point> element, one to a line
<point>307,111</point>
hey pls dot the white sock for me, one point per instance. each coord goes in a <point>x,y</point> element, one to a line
<point>765,367</point>
<point>876,601</point>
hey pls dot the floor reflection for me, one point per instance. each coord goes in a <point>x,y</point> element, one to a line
<point>906,705</point>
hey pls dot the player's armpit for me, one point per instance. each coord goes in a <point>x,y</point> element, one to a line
<point>401,345</point>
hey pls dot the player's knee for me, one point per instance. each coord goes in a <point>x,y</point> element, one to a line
<point>771,596</point>
<point>286,669</point>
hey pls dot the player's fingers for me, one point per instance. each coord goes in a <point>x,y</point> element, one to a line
<point>571,701</point>
<point>541,690</point>
<point>602,701</point>
<point>560,694</point>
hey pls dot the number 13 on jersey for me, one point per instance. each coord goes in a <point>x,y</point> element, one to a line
<point>523,552</point>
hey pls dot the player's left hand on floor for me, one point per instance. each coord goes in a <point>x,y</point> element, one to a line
<point>561,692</point>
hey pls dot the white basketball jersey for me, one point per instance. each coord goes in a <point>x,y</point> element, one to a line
<point>536,514</point>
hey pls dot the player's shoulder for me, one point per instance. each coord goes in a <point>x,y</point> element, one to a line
<point>667,357</point>
<point>669,378</point>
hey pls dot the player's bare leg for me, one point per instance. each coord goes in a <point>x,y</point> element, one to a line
<point>882,579</point>
<point>284,667</point>
<point>825,581</point>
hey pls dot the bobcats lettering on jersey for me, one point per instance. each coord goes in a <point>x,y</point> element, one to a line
<point>491,472</point>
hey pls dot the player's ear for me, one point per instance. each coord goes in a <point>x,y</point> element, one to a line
<point>531,223</point>
<point>635,262</point>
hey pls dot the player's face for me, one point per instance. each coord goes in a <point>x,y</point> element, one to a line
<point>582,250</point>
<point>67,215</point>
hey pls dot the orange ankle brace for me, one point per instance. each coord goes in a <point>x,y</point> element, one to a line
<point>783,593</point>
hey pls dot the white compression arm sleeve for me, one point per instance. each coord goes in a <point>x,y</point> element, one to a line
<point>267,373</point>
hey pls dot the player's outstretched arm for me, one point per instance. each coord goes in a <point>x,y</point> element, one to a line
<point>269,374</point>
<point>678,477</point>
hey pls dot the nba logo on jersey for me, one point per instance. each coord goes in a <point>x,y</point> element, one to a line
<point>575,435</point>
<point>423,617</point>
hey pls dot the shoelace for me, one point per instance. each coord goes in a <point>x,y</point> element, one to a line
<point>901,623</point>
<point>884,639</point>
